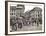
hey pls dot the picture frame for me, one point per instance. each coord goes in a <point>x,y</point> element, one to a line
<point>27,7</point>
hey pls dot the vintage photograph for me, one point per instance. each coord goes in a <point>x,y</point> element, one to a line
<point>25,21</point>
<point>24,17</point>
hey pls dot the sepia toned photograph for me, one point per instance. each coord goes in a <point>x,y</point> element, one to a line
<point>25,17</point>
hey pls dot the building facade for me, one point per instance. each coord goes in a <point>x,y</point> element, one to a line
<point>34,15</point>
<point>16,11</point>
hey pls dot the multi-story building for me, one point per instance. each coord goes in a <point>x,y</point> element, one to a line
<point>20,10</point>
<point>12,11</point>
<point>35,14</point>
<point>16,10</point>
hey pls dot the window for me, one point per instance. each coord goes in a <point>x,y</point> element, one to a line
<point>12,13</point>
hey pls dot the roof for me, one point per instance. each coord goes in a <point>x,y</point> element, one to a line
<point>32,11</point>
<point>37,9</point>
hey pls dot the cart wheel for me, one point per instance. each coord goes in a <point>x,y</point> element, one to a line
<point>14,27</point>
